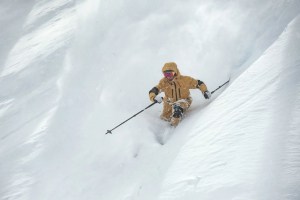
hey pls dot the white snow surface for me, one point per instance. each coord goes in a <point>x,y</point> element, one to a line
<point>71,70</point>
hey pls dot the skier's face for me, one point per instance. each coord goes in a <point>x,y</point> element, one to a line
<point>169,74</point>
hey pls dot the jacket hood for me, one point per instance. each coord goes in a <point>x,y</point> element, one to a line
<point>171,66</point>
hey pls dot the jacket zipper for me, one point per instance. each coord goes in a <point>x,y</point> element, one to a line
<point>179,93</point>
<point>175,91</point>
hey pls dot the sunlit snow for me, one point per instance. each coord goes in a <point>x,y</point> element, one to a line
<point>71,70</point>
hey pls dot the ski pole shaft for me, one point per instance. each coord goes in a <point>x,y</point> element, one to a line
<point>110,131</point>
<point>220,86</point>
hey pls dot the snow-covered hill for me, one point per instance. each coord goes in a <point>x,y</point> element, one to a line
<point>71,70</point>
<point>245,144</point>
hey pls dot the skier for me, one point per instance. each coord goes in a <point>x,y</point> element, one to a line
<point>177,97</point>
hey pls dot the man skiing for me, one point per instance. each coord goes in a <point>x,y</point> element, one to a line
<point>177,97</point>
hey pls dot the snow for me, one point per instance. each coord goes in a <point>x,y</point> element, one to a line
<point>249,138</point>
<point>73,70</point>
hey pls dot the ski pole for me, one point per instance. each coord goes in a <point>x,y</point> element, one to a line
<point>220,86</point>
<point>110,131</point>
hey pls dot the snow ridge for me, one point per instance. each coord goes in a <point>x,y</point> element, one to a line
<point>242,150</point>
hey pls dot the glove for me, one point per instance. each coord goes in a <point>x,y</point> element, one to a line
<point>207,94</point>
<point>152,96</point>
<point>158,99</point>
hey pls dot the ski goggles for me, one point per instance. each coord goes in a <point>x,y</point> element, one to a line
<point>169,74</point>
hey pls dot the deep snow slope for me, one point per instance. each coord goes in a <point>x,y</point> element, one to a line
<point>70,70</point>
<point>246,144</point>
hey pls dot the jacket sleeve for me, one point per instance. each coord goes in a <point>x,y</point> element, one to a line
<point>197,84</point>
<point>157,89</point>
<point>154,90</point>
<point>201,85</point>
